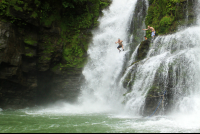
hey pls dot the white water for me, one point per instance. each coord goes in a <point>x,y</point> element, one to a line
<point>105,62</point>
<point>181,51</point>
<point>101,92</point>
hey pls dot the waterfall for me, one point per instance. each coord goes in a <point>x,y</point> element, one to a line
<point>105,63</point>
<point>173,65</point>
<point>102,91</point>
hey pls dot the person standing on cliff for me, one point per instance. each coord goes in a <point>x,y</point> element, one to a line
<point>153,32</point>
<point>120,44</point>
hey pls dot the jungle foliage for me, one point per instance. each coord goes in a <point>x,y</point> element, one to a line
<point>74,17</point>
<point>163,15</point>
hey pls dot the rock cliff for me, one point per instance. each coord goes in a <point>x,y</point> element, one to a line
<point>43,49</point>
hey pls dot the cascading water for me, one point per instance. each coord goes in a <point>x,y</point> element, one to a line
<point>102,90</point>
<point>105,63</point>
<point>172,64</point>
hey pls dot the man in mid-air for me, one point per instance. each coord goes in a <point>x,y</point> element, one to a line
<point>120,44</point>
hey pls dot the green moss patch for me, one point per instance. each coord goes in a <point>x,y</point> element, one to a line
<point>73,18</point>
<point>165,15</point>
<point>29,41</point>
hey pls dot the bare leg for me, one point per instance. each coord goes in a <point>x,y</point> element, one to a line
<point>118,49</point>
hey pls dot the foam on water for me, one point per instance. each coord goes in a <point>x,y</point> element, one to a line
<point>105,62</point>
<point>101,92</point>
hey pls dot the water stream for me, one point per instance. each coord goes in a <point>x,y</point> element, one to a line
<point>175,60</point>
<point>100,108</point>
<point>105,62</point>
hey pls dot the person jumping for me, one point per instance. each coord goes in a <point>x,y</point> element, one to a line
<point>120,44</point>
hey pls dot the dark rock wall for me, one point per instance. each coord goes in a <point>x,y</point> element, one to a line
<point>43,50</point>
<point>26,79</point>
<point>137,24</point>
<point>18,79</point>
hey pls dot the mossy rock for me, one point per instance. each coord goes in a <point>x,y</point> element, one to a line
<point>165,15</point>
<point>127,80</point>
<point>30,52</point>
<point>143,50</point>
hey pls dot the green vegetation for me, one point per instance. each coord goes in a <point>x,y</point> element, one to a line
<point>9,9</point>
<point>30,41</point>
<point>153,91</point>
<point>29,55</point>
<point>164,15</point>
<point>73,17</point>
<point>75,22</point>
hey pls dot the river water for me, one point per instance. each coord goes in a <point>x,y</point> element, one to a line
<point>49,120</point>
<point>99,108</point>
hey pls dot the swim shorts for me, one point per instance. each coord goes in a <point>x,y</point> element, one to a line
<point>119,46</point>
<point>153,34</point>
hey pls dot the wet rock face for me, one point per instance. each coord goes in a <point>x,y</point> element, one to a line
<point>17,88</point>
<point>41,55</point>
<point>7,48</point>
<point>164,93</point>
<point>26,74</point>
<point>186,18</point>
<point>141,54</point>
<point>137,23</point>
<point>143,50</point>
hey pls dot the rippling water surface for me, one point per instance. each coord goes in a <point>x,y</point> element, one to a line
<point>45,120</point>
<point>99,109</point>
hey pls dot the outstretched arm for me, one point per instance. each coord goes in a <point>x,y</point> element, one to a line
<point>145,29</point>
